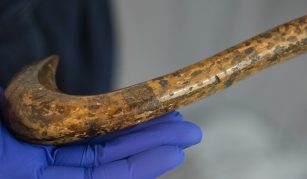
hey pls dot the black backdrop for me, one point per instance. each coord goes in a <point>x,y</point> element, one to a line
<point>79,31</point>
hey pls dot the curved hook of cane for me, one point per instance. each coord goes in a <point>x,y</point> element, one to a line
<point>38,112</point>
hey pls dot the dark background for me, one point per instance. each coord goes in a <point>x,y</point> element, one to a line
<point>80,32</point>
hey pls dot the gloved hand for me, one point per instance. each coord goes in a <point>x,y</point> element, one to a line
<point>144,151</point>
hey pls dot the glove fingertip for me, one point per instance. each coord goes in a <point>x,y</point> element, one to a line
<point>178,115</point>
<point>196,133</point>
<point>172,116</point>
<point>189,134</point>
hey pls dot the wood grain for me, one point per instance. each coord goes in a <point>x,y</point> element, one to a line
<point>39,113</point>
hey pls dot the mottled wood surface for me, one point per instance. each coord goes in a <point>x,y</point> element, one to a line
<point>39,113</point>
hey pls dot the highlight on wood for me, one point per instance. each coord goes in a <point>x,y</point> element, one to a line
<point>38,112</point>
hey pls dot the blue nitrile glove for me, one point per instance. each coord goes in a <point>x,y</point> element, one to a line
<point>145,151</point>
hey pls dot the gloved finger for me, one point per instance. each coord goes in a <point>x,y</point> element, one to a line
<point>60,172</point>
<point>145,165</point>
<point>168,117</point>
<point>182,134</point>
<point>148,164</point>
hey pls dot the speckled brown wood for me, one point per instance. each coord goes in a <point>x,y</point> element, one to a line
<point>39,113</point>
